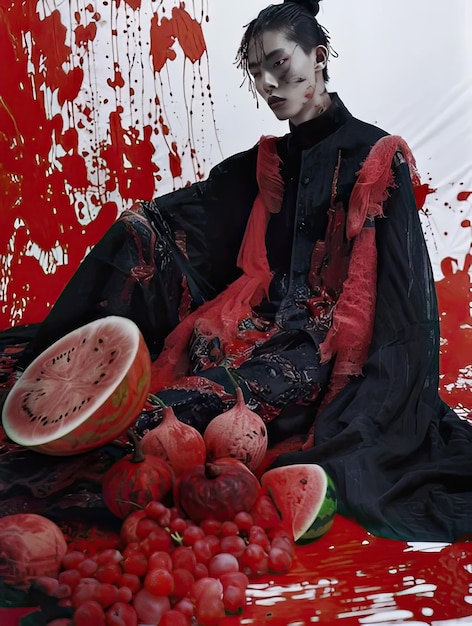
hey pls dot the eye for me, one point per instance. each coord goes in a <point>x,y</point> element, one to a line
<point>279,63</point>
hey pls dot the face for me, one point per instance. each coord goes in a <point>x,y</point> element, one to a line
<point>290,81</point>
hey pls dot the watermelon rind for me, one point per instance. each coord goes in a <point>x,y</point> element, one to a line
<point>86,389</point>
<point>324,519</point>
<point>305,497</point>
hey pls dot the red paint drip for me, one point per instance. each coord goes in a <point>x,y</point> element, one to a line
<point>118,80</point>
<point>421,192</point>
<point>133,4</point>
<point>175,162</point>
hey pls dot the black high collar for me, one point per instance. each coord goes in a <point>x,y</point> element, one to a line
<point>313,131</point>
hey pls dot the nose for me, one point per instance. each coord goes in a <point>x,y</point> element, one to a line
<point>269,82</point>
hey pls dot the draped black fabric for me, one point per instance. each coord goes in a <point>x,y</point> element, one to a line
<point>399,456</point>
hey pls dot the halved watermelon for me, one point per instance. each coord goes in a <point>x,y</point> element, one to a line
<point>305,497</point>
<point>81,392</point>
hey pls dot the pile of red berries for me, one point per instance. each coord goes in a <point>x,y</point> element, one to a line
<point>170,571</point>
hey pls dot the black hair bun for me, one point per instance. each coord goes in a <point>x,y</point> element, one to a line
<point>312,6</point>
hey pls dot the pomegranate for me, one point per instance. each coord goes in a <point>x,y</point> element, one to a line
<point>179,444</point>
<point>216,490</point>
<point>238,433</point>
<point>135,480</point>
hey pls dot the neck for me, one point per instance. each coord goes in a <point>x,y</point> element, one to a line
<point>323,101</point>
<point>317,105</point>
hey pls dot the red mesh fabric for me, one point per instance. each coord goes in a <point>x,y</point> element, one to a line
<point>353,320</point>
<point>375,177</point>
<point>220,317</point>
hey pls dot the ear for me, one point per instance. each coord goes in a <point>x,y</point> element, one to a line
<point>321,56</point>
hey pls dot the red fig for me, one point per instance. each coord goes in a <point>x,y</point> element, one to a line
<point>239,433</point>
<point>181,445</point>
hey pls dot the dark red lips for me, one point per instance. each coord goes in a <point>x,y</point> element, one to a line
<point>274,101</point>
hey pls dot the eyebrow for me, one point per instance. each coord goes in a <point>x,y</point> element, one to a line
<point>267,57</point>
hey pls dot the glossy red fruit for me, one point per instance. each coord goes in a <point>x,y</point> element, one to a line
<point>264,512</point>
<point>150,608</point>
<point>120,614</point>
<point>89,612</point>
<point>222,563</point>
<point>128,527</point>
<point>234,599</point>
<point>135,480</point>
<point>216,490</point>
<point>84,591</point>
<point>173,618</point>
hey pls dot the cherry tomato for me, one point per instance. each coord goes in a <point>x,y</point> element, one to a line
<point>159,582</point>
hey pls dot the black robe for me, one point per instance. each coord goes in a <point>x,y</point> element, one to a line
<point>398,455</point>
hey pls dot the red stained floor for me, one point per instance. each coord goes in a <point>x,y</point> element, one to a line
<point>350,577</point>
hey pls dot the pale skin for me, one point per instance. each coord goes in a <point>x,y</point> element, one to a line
<point>288,79</point>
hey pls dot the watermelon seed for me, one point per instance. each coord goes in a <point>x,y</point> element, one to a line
<point>303,481</point>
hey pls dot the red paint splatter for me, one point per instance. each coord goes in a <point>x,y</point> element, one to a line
<point>162,40</point>
<point>41,192</point>
<point>463,195</point>
<point>189,33</point>
<point>118,80</point>
<point>175,162</point>
<point>33,188</point>
<point>454,293</point>
<point>84,34</point>
<point>133,4</point>
<point>182,27</point>
<point>421,192</point>
<point>137,180</point>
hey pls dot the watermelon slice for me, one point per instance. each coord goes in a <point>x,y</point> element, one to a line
<point>305,497</point>
<point>81,392</point>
